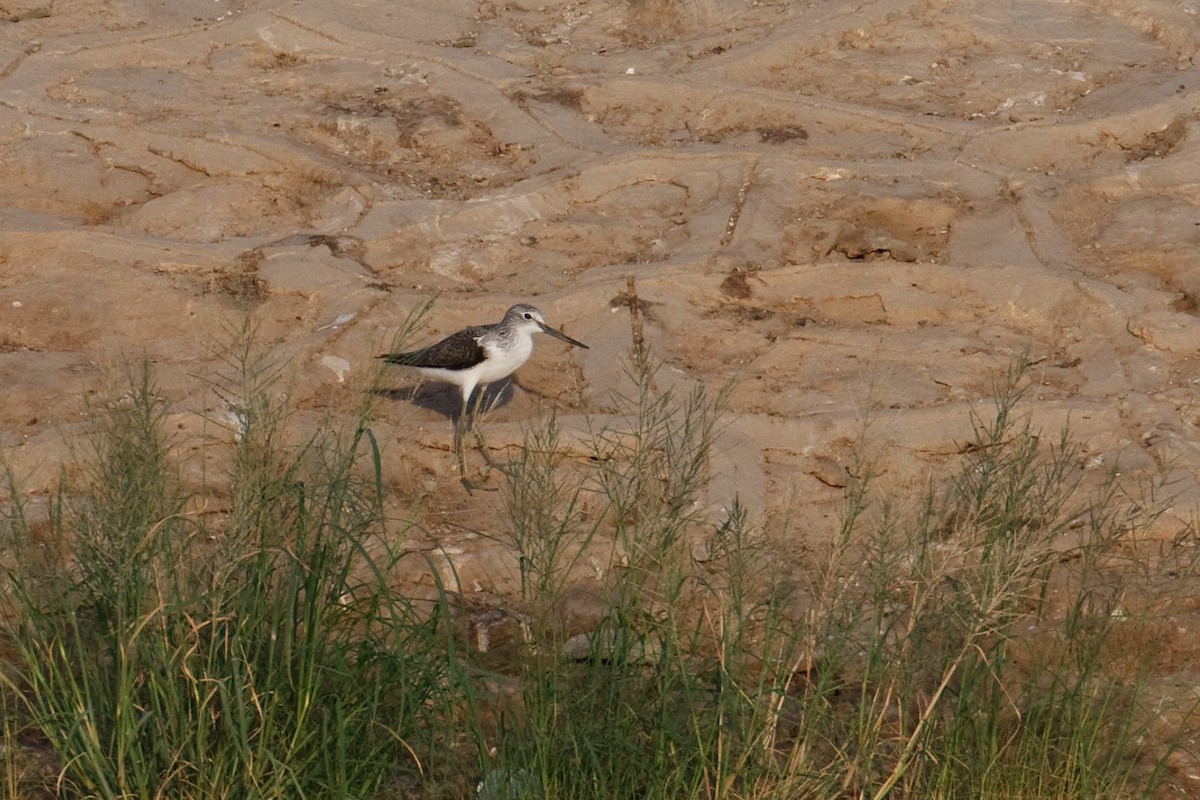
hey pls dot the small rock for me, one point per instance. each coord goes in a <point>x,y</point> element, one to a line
<point>339,366</point>
<point>502,783</point>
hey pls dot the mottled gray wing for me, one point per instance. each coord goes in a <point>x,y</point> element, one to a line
<point>457,351</point>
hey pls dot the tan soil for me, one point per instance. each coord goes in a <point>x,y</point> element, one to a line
<point>840,205</point>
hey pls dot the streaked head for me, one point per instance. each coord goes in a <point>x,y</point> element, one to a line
<point>529,318</point>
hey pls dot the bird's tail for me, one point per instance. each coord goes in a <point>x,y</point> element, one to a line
<point>404,359</point>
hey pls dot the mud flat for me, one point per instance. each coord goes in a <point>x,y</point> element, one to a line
<point>850,209</point>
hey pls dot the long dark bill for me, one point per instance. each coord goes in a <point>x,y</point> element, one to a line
<point>563,336</point>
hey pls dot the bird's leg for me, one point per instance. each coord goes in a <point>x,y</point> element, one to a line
<point>459,425</point>
<point>479,443</point>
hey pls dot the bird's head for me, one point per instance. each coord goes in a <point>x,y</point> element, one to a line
<point>529,318</point>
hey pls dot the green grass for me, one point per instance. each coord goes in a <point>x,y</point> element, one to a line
<point>246,641</point>
<point>259,652</point>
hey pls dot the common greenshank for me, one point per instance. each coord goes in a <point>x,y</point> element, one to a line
<point>477,356</point>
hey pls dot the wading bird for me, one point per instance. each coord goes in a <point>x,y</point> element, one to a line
<point>475,357</point>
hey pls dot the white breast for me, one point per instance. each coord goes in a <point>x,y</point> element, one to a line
<point>502,363</point>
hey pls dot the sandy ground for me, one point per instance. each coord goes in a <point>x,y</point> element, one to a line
<point>843,206</point>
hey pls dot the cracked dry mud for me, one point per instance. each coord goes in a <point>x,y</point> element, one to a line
<point>841,206</point>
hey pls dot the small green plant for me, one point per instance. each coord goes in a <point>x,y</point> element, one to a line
<point>924,659</point>
<point>258,652</point>
<point>938,664</point>
<point>545,523</point>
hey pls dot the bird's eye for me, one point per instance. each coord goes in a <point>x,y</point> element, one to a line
<point>528,315</point>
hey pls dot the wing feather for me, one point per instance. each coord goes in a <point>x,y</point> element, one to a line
<point>460,350</point>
